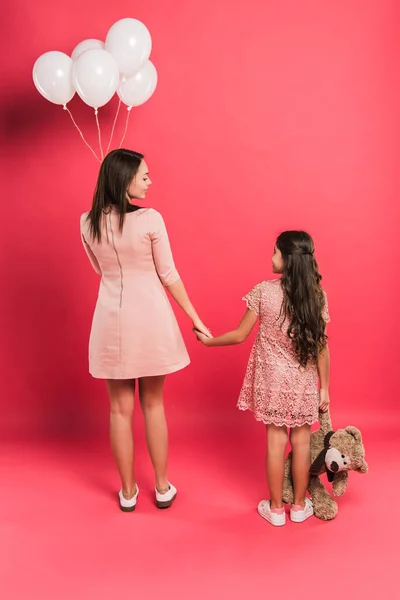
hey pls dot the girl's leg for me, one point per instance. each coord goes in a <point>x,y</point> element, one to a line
<point>121,393</point>
<point>151,400</point>
<point>301,460</point>
<point>276,446</point>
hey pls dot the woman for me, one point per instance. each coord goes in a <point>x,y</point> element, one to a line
<point>134,332</point>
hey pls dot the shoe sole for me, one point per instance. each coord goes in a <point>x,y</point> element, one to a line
<point>295,519</point>
<point>127,508</point>
<point>270,522</point>
<point>166,504</point>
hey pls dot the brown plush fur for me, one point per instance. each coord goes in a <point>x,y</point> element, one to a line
<point>346,453</point>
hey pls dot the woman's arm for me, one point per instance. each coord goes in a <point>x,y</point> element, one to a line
<point>237,336</point>
<point>180,295</point>
<point>91,256</point>
<point>169,276</point>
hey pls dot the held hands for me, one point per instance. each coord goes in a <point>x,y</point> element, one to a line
<point>202,332</point>
<point>202,338</point>
<point>324,400</point>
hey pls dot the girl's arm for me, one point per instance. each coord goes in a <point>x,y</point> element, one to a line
<point>323,372</point>
<point>237,336</point>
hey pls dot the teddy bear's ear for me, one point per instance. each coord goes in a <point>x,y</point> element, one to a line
<point>363,468</point>
<point>353,431</point>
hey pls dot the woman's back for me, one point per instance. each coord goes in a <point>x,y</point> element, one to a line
<point>141,247</point>
<point>134,331</point>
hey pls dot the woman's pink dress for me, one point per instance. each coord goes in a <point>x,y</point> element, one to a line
<point>276,388</point>
<point>134,331</point>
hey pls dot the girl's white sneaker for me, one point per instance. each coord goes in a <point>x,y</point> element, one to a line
<point>276,517</point>
<point>299,515</point>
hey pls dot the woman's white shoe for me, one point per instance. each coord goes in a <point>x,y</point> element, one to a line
<point>165,500</point>
<point>128,505</point>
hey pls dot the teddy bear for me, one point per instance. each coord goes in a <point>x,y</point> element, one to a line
<point>334,453</point>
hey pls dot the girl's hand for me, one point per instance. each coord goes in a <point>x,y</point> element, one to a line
<point>201,337</point>
<point>199,325</point>
<point>324,400</point>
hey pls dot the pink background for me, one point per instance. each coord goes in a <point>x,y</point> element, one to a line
<point>267,116</point>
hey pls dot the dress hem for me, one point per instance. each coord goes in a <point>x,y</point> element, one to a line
<point>283,423</point>
<point>166,371</point>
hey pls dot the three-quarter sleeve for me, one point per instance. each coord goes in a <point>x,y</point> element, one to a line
<point>253,299</point>
<point>162,254</point>
<point>89,251</point>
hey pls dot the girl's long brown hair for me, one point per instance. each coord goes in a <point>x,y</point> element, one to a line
<point>303,297</point>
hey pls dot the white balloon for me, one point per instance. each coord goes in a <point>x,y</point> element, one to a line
<point>129,42</point>
<point>86,45</point>
<point>138,89</point>
<point>52,76</point>
<point>95,76</point>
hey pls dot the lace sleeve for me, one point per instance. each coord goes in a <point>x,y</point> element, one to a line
<point>253,299</point>
<point>325,312</point>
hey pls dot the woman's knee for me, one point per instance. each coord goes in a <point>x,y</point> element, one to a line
<point>150,401</point>
<point>151,392</point>
<point>121,394</point>
<point>121,407</point>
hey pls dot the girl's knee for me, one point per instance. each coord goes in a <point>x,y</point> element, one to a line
<point>300,436</point>
<point>277,436</point>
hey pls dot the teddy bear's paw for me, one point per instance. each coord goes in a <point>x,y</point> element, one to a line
<point>327,510</point>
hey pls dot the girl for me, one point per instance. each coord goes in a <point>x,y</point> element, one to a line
<point>134,332</point>
<point>289,355</point>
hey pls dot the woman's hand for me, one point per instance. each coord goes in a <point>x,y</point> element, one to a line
<point>201,328</point>
<point>201,337</point>
<point>324,400</point>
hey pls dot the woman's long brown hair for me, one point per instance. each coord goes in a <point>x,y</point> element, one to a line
<point>116,173</point>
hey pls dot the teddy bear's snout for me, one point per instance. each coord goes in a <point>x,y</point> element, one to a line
<point>335,461</point>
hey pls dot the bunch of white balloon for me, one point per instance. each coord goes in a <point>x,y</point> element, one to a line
<point>97,70</point>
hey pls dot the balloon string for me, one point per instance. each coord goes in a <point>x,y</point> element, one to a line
<point>80,133</point>
<point>113,127</point>
<point>126,125</point>
<point>96,114</point>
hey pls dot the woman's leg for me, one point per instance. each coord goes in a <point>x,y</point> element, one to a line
<point>301,460</point>
<point>121,393</point>
<point>151,400</point>
<point>277,439</point>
